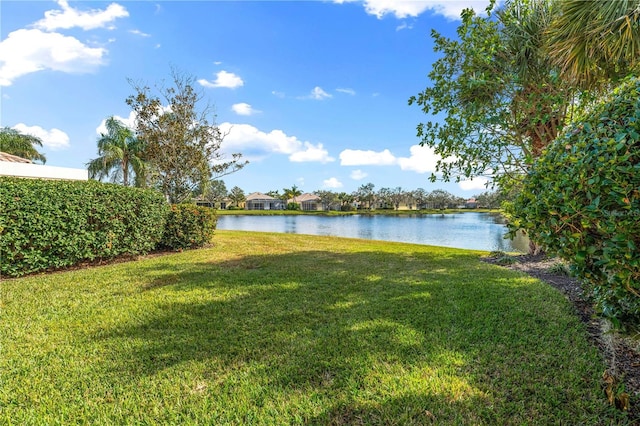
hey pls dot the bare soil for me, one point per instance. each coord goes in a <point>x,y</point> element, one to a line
<point>620,352</point>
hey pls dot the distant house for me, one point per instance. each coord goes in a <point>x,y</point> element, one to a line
<point>308,202</point>
<point>260,201</point>
<point>222,205</point>
<point>471,203</point>
<point>11,165</point>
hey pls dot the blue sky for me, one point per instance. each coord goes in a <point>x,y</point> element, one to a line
<point>313,93</point>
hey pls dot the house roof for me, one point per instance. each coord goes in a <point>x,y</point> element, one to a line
<point>259,196</point>
<point>307,197</point>
<point>13,158</point>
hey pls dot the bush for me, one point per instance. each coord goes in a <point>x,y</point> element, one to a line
<point>46,224</point>
<point>188,226</point>
<point>581,200</point>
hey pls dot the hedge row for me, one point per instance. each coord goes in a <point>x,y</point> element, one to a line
<point>581,201</point>
<point>47,225</point>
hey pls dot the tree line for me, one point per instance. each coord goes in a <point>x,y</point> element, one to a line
<point>365,197</point>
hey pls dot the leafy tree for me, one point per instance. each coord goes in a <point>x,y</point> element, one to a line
<point>215,192</point>
<point>181,138</point>
<point>328,199</point>
<point>15,143</point>
<point>236,195</point>
<point>120,153</point>
<point>488,199</point>
<point>501,96</point>
<point>439,199</point>
<point>346,201</point>
<point>365,194</point>
<point>595,41</point>
<point>397,196</point>
<point>419,196</point>
<point>383,198</point>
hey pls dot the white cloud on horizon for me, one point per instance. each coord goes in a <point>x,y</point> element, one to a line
<point>401,9</point>
<point>28,51</point>
<point>332,183</point>
<point>255,144</point>
<point>69,17</point>
<point>54,139</point>
<point>224,79</point>
<point>243,108</point>
<point>421,160</point>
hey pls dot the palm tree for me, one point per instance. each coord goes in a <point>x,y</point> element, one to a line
<point>594,41</point>
<point>292,193</point>
<point>120,152</point>
<point>15,143</point>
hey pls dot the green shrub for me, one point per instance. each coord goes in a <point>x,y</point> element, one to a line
<point>293,206</point>
<point>581,200</point>
<point>46,224</point>
<point>188,226</point>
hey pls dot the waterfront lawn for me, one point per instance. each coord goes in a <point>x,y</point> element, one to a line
<point>292,329</point>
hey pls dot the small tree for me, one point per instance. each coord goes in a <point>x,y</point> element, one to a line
<point>183,143</point>
<point>236,195</point>
<point>328,199</point>
<point>215,192</point>
<point>291,194</point>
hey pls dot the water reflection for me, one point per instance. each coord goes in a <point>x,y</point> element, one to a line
<point>478,231</point>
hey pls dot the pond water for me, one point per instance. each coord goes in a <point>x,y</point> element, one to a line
<point>476,231</point>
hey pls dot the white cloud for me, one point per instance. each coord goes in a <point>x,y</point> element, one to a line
<point>475,183</point>
<point>278,94</point>
<point>69,17</point>
<point>404,26</point>
<point>331,183</point>
<point>347,91</point>
<point>27,51</point>
<point>354,157</point>
<point>358,175</point>
<point>255,144</point>
<point>411,8</point>
<point>139,33</point>
<point>244,109</point>
<point>318,94</point>
<point>422,160</point>
<point>223,79</point>
<point>54,138</point>
<point>311,153</point>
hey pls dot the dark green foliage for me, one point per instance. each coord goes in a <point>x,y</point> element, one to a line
<point>582,201</point>
<point>188,226</point>
<point>293,206</point>
<point>48,224</point>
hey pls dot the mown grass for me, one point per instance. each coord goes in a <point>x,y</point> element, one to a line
<point>292,329</point>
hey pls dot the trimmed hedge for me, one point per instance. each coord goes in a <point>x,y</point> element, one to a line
<point>581,200</point>
<point>188,226</point>
<point>47,224</point>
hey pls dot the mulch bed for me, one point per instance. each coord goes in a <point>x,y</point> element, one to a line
<point>622,358</point>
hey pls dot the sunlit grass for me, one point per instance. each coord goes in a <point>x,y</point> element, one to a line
<point>290,329</point>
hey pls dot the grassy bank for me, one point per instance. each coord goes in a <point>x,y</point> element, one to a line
<point>290,329</point>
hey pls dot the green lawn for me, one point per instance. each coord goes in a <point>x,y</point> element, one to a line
<point>291,329</point>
